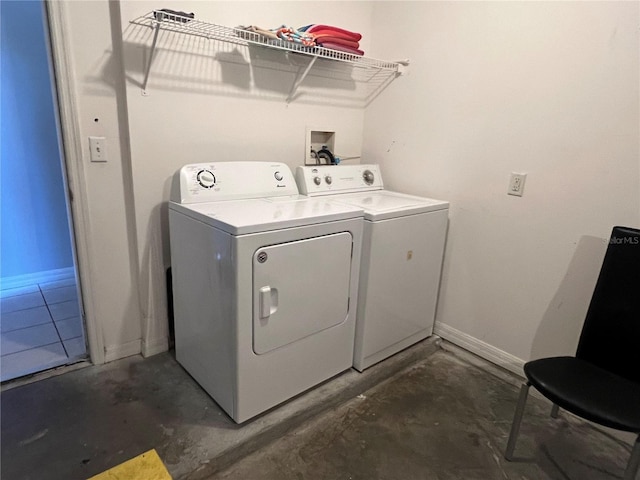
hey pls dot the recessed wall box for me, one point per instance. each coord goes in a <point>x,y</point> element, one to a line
<point>318,139</point>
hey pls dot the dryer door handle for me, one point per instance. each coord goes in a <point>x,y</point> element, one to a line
<point>268,301</point>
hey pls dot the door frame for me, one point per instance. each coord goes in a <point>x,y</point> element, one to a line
<point>73,168</point>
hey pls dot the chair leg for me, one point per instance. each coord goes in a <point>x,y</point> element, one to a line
<point>634,462</point>
<point>554,411</point>
<point>517,419</point>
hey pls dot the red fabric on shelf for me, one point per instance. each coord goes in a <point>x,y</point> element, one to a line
<point>338,32</point>
<point>342,48</point>
<point>322,39</point>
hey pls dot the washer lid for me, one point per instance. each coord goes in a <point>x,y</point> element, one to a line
<point>384,204</point>
<point>241,217</point>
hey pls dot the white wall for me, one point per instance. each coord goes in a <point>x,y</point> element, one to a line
<point>546,88</point>
<point>550,89</point>
<point>114,313</point>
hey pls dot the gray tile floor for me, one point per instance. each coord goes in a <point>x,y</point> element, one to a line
<point>40,328</point>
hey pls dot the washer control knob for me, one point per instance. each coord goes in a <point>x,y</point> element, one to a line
<point>278,176</point>
<point>368,177</point>
<point>206,178</point>
<point>317,180</point>
<point>328,179</point>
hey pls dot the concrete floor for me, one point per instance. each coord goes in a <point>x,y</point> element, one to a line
<point>444,418</point>
<point>426,413</point>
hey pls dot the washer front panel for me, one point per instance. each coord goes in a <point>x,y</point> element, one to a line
<point>399,281</point>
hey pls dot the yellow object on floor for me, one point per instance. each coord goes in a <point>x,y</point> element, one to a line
<point>147,466</point>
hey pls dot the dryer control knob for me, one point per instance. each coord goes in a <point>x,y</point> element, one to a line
<point>278,176</point>
<point>206,178</point>
<point>328,179</point>
<point>317,180</point>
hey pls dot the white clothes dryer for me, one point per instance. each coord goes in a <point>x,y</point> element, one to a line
<point>402,253</point>
<point>265,283</point>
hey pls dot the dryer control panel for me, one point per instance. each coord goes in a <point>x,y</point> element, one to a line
<point>210,182</point>
<point>331,179</point>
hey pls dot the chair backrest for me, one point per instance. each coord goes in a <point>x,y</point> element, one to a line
<point>610,336</point>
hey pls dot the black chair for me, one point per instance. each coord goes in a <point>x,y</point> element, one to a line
<point>602,382</point>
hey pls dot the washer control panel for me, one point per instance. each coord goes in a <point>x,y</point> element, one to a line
<point>330,179</point>
<point>208,182</point>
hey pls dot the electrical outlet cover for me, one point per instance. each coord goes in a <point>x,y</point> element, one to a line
<point>516,184</point>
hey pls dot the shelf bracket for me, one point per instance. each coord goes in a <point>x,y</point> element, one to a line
<point>403,66</point>
<point>300,79</point>
<point>151,52</point>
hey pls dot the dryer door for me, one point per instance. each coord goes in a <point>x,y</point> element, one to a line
<point>299,288</point>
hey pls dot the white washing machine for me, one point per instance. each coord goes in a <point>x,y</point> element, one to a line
<point>265,283</point>
<point>402,254</point>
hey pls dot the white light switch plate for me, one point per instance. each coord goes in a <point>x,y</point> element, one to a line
<point>98,149</point>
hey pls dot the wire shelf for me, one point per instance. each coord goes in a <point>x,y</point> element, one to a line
<point>171,22</point>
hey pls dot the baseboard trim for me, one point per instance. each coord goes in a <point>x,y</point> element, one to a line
<point>154,347</point>
<point>116,352</point>
<point>47,276</point>
<point>480,348</point>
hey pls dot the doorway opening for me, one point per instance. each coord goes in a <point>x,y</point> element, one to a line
<point>41,320</point>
